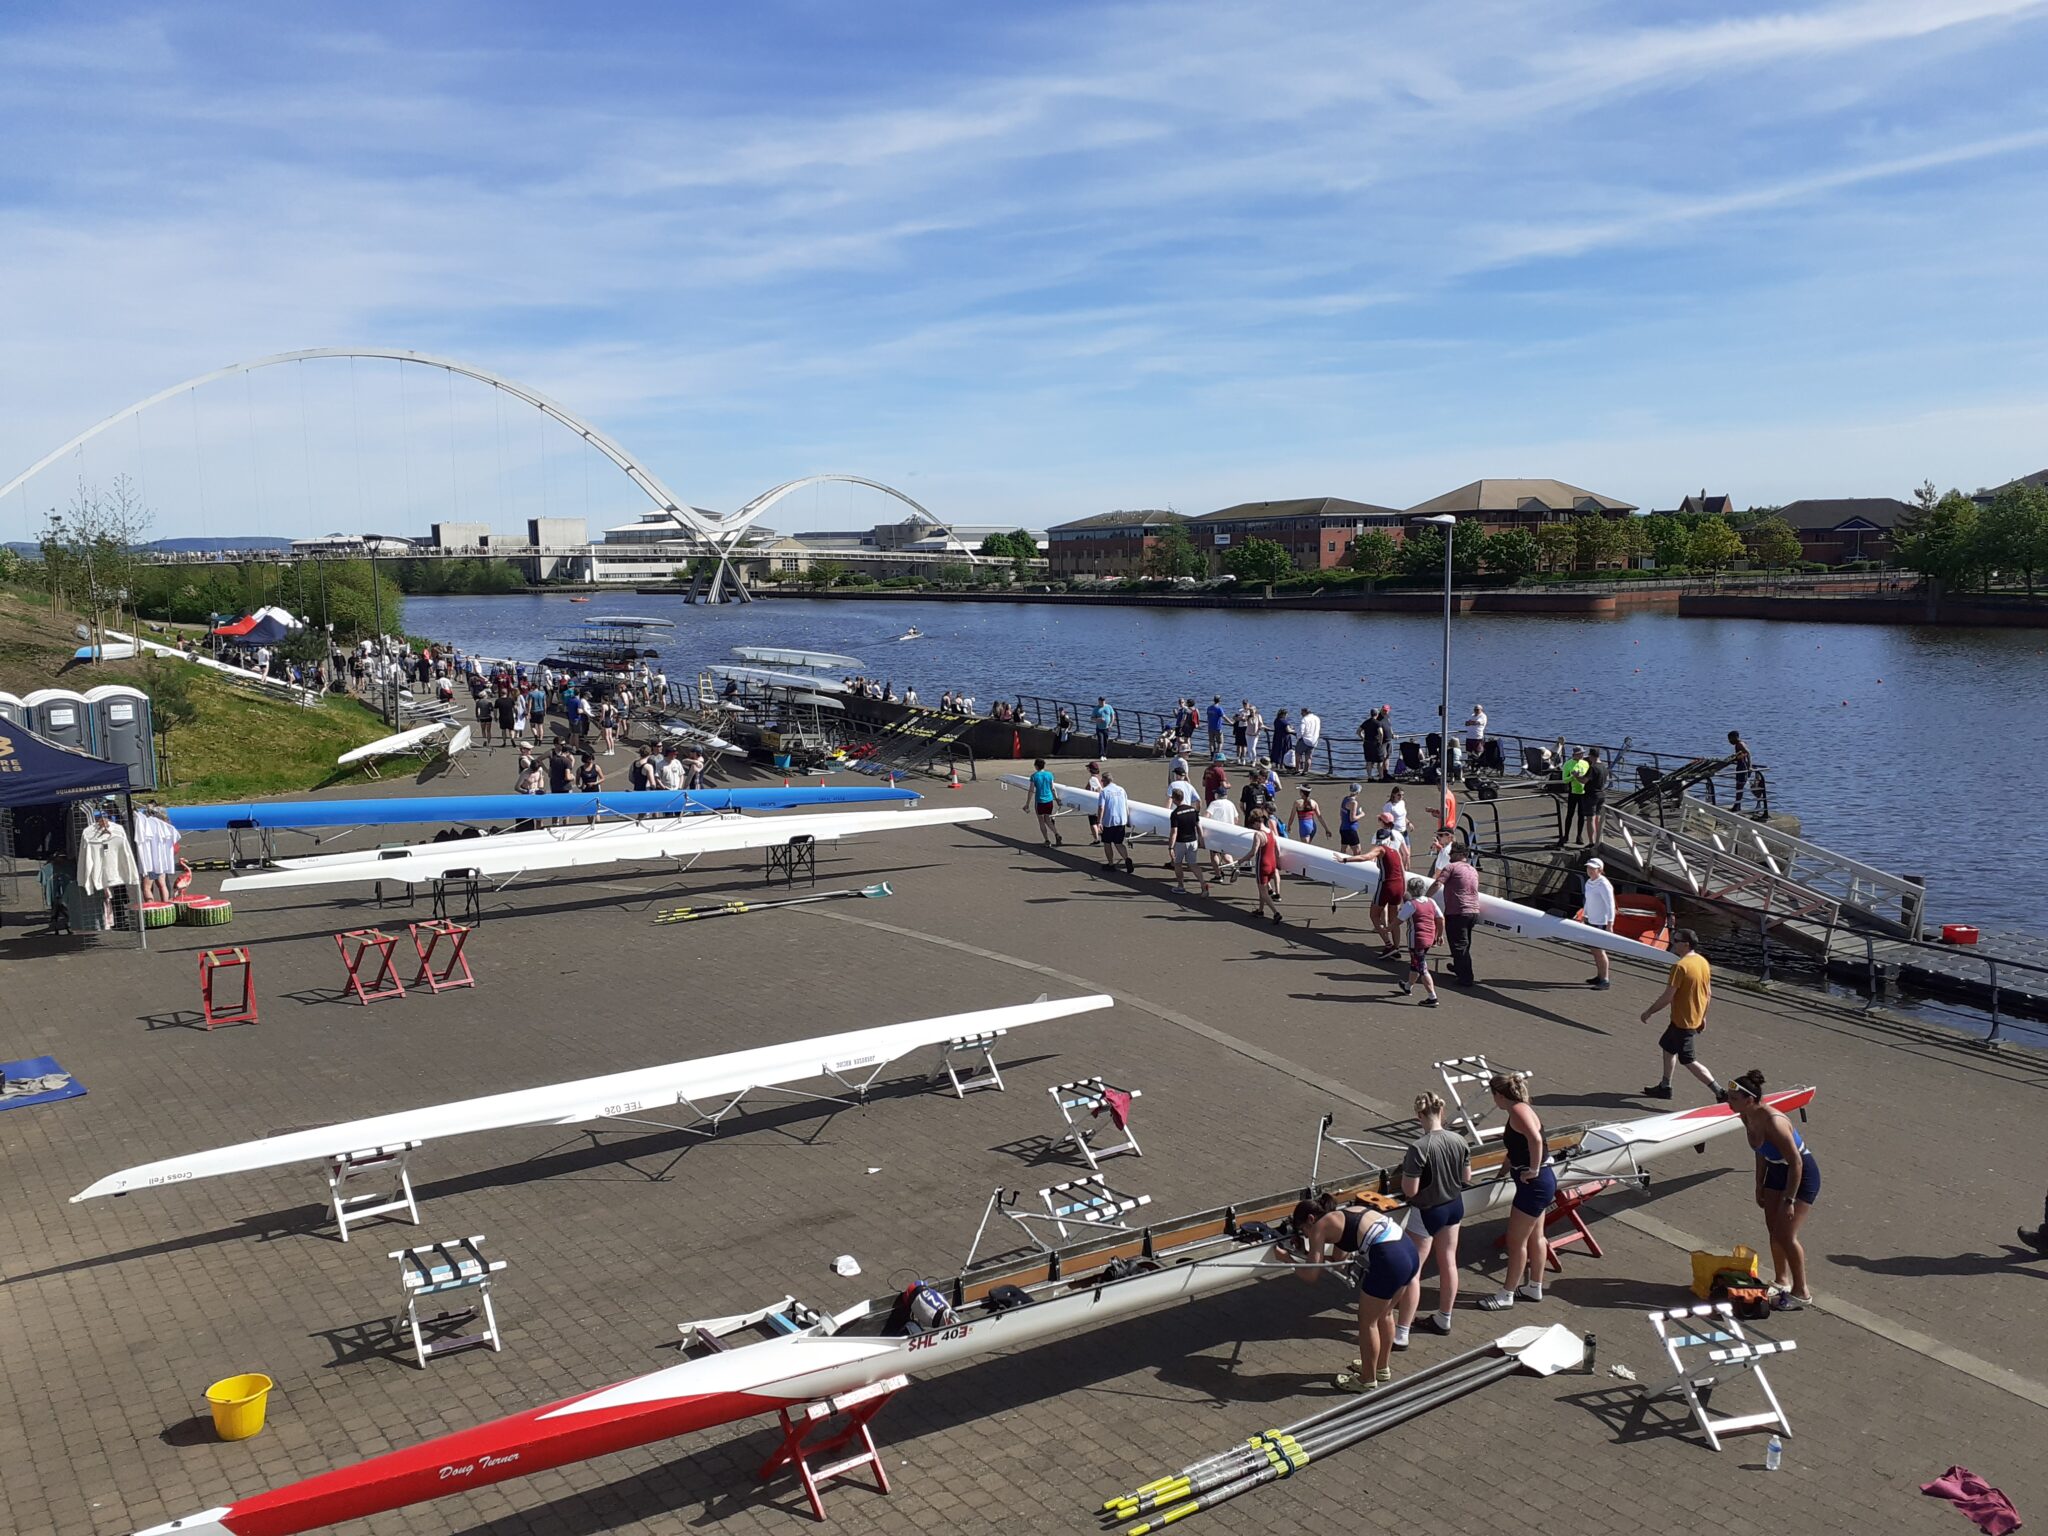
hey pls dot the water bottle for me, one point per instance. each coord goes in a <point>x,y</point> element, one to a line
<point>1774,1454</point>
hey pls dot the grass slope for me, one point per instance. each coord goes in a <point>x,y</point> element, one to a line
<point>240,747</point>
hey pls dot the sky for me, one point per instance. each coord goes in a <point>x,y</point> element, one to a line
<point>1023,263</point>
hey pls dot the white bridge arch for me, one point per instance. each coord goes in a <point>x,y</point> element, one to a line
<point>722,533</point>
<point>650,483</point>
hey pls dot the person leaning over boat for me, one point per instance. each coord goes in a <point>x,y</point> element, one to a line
<point>1383,1263</point>
<point>1434,1172</point>
<point>1527,1162</point>
<point>1786,1198</point>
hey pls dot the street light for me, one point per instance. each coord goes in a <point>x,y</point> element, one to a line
<point>1446,524</point>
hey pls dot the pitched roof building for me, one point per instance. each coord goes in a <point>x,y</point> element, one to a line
<point>1316,531</point>
<point>1109,544</point>
<point>1502,504</point>
<point>1836,529</point>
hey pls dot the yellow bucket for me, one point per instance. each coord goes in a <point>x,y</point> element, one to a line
<point>237,1403</point>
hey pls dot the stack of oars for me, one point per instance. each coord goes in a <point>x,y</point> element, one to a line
<point>741,908</point>
<point>1276,1453</point>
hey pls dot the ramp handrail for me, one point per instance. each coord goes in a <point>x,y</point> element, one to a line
<point>1888,899</point>
<point>1713,873</point>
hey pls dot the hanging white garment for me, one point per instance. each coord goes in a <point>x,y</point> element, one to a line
<point>105,860</point>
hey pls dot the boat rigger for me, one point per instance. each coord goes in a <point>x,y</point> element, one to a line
<point>1002,1304</point>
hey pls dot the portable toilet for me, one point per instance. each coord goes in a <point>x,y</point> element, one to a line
<point>124,730</point>
<point>59,715</point>
<point>12,710</point>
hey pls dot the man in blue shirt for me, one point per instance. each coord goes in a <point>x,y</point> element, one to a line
<point>1105,722</point>
<point>1114,810</point>
<point>1042,803</point>
<point>1216,729</point>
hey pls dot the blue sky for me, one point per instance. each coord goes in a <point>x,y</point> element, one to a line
<point>1027,263</point>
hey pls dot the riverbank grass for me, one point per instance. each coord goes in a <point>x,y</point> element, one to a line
<point>240,745</point>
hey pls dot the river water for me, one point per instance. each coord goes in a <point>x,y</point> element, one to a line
<point>1908,748</point>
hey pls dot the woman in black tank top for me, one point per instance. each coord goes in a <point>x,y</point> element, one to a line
<point>1528,1164</point>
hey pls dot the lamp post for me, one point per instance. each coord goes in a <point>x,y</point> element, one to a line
<point>1447,525</point>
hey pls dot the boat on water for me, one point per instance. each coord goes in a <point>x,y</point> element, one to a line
<point>912,633</point>
<point>802,1356</point>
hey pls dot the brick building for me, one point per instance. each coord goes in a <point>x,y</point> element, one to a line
<point>1836,530</point>
<point>1109,544</point>
<point>1498,505</point>
<point>1316,531</point>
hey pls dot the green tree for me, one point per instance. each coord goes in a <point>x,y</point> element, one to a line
<point>1669,540</point>
<point>1925,496</point>
<point>169,686</point>
<point>1513,553</point>
<point>2012,533</point>
<point>10,566</point>
<point>1557,545</point>
<point>1635,540</point>
<point>1015,545</point>
<point>1598,540</point>
<point>1259,561</point>
<point>1941,541</point>
<point>1173,554</point>
<point>954,573</point>
<point>1773,543</point>
<point>1714,546</point>
<point>90,552</point>
<point>1422,552</point>
<point>1376,552</point>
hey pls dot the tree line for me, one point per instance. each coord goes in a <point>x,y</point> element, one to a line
<point>1967,545</point>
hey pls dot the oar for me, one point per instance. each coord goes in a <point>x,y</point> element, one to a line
<point>736,908</point>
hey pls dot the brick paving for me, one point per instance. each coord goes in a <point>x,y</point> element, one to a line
<point>115,1314</point>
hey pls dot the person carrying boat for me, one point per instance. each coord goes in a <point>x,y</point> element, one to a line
<point>1350,811</point>
<point>1307,815</point>
<point>1222,810</point>
<point>1787,1185</point>
<point>1383,1263</point>
<point>1434,1172</point>
<point>1114,807</point>
<point>1095,816</point>
<point>1597,911</point>
<point>1392,890</point>
<point>1265,860</point>
<point>1043,803</point>
<point>1528,1164</point>
<point>1185,824</point>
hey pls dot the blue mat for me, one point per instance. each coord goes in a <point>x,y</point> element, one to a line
<point>38,1066</point>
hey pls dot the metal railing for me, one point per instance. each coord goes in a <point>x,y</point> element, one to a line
<point>1713,873</point>
<point>1993,963</point>
<point>1893,901</point>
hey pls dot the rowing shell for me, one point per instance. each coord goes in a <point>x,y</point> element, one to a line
<point>1313,863</point>
<point>640,1091</point>
<point>855,1348</point>
<point>492,857</point>
<point>392,746</point>
<point>400,810</point>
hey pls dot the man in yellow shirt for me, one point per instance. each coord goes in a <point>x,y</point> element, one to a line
<point>1687,996</point>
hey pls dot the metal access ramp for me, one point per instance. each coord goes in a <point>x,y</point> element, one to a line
<point>1865,894</point>
<point>1712,872</point>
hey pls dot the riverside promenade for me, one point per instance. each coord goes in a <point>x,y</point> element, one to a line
<point>1926,1348</point>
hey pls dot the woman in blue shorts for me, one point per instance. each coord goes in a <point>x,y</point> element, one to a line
<point>1434,1172</point>
<point>1528,1164</point>
<point>1785,1199</point>
<point>1383,1263</point>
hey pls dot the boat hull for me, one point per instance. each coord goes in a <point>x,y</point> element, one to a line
<point>739,1383</point>
<point>436,809</point>
<point>640,1091</point>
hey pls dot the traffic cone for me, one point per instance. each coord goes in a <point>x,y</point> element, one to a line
<point>785,781</point>
<point>956,784</point>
